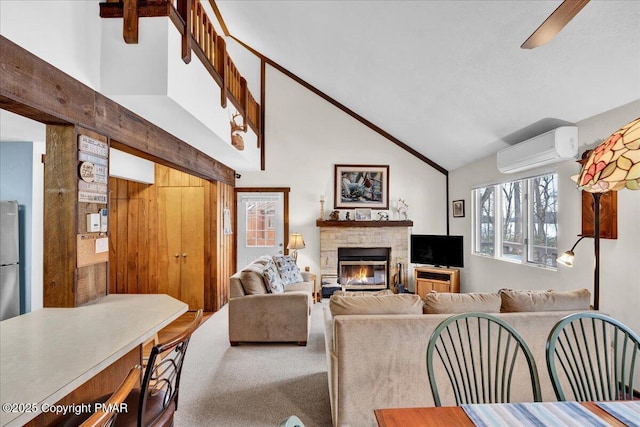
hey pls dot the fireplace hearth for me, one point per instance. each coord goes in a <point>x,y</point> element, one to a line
<point>364,268</point>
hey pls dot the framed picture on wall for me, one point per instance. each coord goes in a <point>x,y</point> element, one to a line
<point>458,208</point>
<point>361,186</point>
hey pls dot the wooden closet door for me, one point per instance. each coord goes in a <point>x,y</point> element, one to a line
<point>192,255</point>
<point>169,240</point>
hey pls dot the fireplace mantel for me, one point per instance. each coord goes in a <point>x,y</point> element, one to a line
<point>390,223</point>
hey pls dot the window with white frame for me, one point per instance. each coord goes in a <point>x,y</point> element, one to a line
<point>517,221</point>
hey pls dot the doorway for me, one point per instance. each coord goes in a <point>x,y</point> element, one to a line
<point>262,223</point>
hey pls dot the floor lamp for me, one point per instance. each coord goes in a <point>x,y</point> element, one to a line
<point>611,166</point>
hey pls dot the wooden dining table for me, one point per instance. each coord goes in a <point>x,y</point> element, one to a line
<point>455,416</point>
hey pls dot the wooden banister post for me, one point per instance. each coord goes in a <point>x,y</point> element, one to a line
<point>221,66</point>
<point>184,10</point>
<point>244,102</point>
<point>130,21</point>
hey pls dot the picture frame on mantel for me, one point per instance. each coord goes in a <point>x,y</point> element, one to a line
<point>361,187</point>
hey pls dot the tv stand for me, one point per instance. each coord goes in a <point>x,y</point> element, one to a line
<point>437,279</point>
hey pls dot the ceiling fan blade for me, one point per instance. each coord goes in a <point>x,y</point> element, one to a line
<point>554,23</point>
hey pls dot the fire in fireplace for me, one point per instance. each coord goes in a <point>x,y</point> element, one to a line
<point>367,273</point>
<point>364,268</point>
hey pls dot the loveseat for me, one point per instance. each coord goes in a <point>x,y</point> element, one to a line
<point>376,345</point>
<point>270,301</point>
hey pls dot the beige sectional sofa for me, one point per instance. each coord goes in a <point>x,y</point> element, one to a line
<point>376,346</point>
<point>259,313</point>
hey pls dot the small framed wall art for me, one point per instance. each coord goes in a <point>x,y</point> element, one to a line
<point>361,186</point>
<point>458,208</point>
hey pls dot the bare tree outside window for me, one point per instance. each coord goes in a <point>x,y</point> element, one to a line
<point>519,218</point>
<point>485,243</point>
<point>544,220</point>
<point>512,220</point>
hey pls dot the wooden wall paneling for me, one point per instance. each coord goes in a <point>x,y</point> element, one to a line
<point>60,193</point>
<point>224,244</point>
<point>118,250</point>
<point>169,240</point>
<point>608,215</point>
<point>151,195</point>
<point>135,245</point>
<point>192,249</point>
<point>143,243</point>
<point>217,206</point>
<point>209,233</point>
<point>92,282</point>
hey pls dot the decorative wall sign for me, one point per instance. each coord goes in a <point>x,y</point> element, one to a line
<point>87,172</point>
<point>96,160</point>
<point>101,174</point>
<point>361,186</point>
<point>92,187</point>
<point>90,145</point>
<point>87,197</point>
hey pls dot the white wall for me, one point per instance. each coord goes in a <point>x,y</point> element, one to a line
<point>64,33</point>
<point>306,136</point>
<point>619,266</point>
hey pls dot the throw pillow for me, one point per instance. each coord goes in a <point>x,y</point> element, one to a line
<point>288,269</point>
<point>271,276</point>
<point>252,279</point>
<point>383,304</point>
<point>453,303</point>
<point>514,301</point>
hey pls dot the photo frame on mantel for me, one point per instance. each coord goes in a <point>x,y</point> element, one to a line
<point>361,186</point>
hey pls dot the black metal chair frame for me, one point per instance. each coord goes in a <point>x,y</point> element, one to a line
<point>598,356</point>
<point>163,370</point>
<point>468,364</point>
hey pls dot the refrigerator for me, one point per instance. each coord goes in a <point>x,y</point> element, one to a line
<point>9,267</point>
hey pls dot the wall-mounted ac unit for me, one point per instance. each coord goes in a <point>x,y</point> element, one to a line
<point>554,146</point>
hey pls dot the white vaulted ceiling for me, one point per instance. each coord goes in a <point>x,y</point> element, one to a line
<point>448,78</point>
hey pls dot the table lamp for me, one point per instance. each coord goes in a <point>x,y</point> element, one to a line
<point>296,241</point>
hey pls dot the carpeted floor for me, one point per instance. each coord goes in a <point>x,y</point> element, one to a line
<point>253,385</point>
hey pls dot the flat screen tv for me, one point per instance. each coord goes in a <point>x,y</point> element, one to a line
<point>437,250</point>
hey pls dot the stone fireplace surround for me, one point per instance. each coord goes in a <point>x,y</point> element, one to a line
<point>363,234</point>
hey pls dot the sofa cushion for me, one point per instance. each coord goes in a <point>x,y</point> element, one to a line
<point>252,280</point>
<point>288,269</point>
<point>272,278</point>
<point>540,300</point>
<point>438,302</point>
<point>383,304</point>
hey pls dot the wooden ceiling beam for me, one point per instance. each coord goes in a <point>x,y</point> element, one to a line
<point>35,89</point>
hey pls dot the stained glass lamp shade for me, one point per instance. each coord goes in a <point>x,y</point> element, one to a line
<point>614,164</point>
<point>611,166</point>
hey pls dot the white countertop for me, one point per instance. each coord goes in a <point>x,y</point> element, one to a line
<point>46,354</point>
